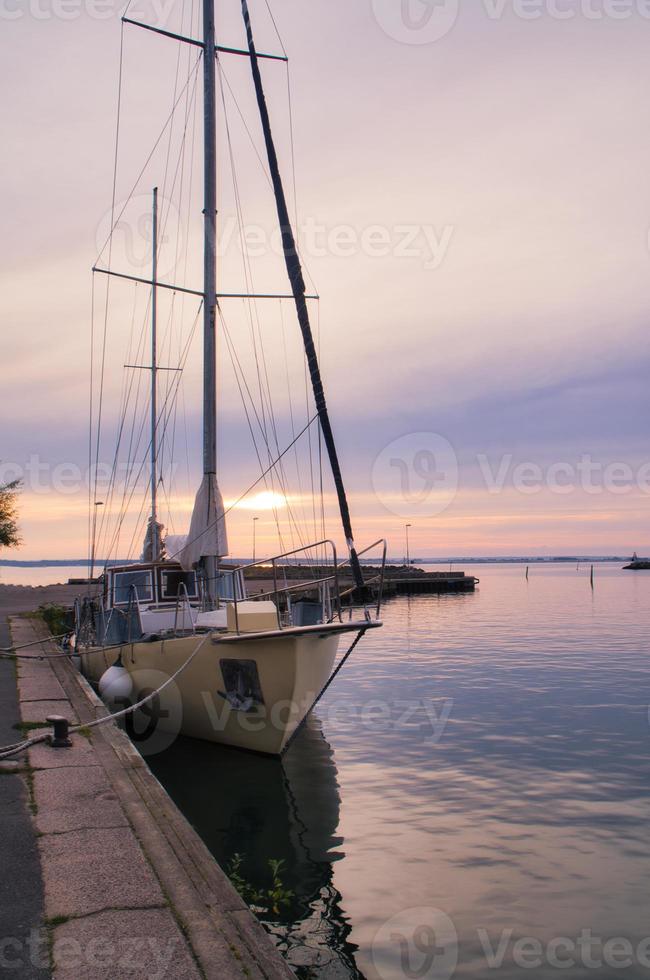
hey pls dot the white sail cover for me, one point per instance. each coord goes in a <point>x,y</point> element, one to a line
<point>207,536</point>
<point>153,551</point>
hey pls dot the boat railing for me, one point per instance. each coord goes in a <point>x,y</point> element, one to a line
<point>375,580</point>
<point>183,602</point>
<point>133,616</point>
<point>292,601</point>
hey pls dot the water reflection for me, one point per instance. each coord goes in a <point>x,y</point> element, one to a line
<point>261,809</point>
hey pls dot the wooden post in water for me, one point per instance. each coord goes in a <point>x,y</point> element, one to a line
<point>592,576</point>
<point>527,570</point>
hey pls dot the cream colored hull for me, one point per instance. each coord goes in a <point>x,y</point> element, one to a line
<point>292,670</point>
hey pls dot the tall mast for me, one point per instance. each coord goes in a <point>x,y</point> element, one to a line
<point>209,263</point>
<point>155,544</point>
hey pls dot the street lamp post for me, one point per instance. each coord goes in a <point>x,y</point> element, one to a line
<point>255,520</point>
<point>408,553</point>
<point>98,503</point>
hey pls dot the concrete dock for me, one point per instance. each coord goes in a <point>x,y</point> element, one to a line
<point>106,879</point>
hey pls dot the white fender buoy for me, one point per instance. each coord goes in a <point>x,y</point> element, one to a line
<point>115,684</point>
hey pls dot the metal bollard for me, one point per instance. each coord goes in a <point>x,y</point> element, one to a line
<point>61,738</point>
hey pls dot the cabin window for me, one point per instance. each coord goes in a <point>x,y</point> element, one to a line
<point>172,580</point>
<point>122,582</point>
<point>230,585</point>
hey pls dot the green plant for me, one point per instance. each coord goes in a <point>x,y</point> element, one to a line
<point>55,618</point>
<point>264,901</point>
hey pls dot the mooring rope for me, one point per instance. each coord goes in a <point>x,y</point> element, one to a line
<point>9,750</point>
<point>9,653</point>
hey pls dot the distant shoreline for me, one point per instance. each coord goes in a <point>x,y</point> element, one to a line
<point>60,563</point>
<point>454,560</point>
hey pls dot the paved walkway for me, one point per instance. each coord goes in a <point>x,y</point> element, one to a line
<point>128,888</point>
<point>21,887</point>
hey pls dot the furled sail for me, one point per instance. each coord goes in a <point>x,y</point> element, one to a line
<point>153,548</point>
<point>207,536</point>
<point>294,271</point>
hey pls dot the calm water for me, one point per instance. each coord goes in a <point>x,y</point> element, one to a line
<point>41,575</point>
<point>477,775</point>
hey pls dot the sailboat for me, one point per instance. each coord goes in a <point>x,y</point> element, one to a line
<point>246,670</point>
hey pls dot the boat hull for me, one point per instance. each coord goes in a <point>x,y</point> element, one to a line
<point>289,670</point>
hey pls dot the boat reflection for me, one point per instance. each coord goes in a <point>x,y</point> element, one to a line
<point>265,809</point>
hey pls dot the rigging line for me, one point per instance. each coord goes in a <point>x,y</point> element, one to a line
<point>129,491</point>
<point>171,128</point>
<point>189,192</point>
<point>145,165</point>
<point>246,492</point>
<point>127,503</point>
<point>131,449</point>
<point>294,176</point>
<point>240,219</point>
<point>236,365</point>
<point>283,478</point>
<point>131,465</point>
<point>291,413</point>
<point>264,392</point>
<point>239,371</point>
<point>133,445</point>
<point>249,284</point>
<point>190,95</point>
<point>293,151</point>
<point>139,528</point>
<point>279,36</point>
<point>311,455</point>
<point>320,431</point>
<point>90,418</point>
<point>169,375</point>
<point>113,196</point>
<point>264,167</point>
<point>190,106</point>
<point>163,487</point>
<point>124,400</point>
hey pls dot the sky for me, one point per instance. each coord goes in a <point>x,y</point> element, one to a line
<point>473,206</point>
